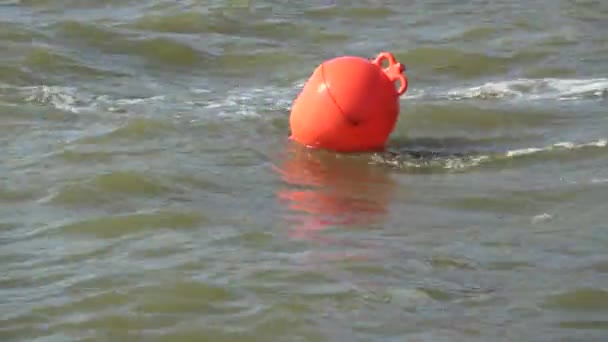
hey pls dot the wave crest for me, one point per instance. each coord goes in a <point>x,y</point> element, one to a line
<point>535,89</point>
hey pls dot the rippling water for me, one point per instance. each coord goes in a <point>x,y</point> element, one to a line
<point>148,192</point>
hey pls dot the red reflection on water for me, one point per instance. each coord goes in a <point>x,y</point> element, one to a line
<point>325,190</point>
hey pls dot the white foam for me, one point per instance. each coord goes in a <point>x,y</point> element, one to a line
<point>71,99</point>
<point>133,101</point>
<point>470,161</point>
<point>246,102</point>
<point>560,145</point>
<point>544,217</point>
<point>62,98</point>
<point>459,163</point>
<point>524,151</point>
<point>200,90</point>
<point>534,89</point>
<point>237,102</point>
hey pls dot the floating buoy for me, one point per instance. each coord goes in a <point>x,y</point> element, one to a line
<point>349,104</point>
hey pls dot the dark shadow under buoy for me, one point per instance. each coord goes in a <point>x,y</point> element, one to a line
<point>428,155</point>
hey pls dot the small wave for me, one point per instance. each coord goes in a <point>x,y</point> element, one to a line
<point>139,100</point>
<point>540,218</point>
<point>70,99</point>
<point>429,159</point>
<point>132,223</point>
<point>249,102</point>
<point>455,62</point>
<point>63,98</point>
<point>535,89</point>
<point>237,102</point>
<point>556,146</point>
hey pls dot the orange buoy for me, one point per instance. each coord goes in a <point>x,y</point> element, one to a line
<point>349,104</point>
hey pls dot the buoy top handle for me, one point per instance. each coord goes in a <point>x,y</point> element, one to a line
<point>394,70</point>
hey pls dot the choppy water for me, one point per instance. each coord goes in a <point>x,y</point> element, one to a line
<point>148,192</point>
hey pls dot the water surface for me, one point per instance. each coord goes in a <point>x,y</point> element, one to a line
<point>148,192</point>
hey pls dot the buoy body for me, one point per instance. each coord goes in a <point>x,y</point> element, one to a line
<point>349,104</point>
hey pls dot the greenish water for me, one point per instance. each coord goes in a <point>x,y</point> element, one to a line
<point>148,192</point>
